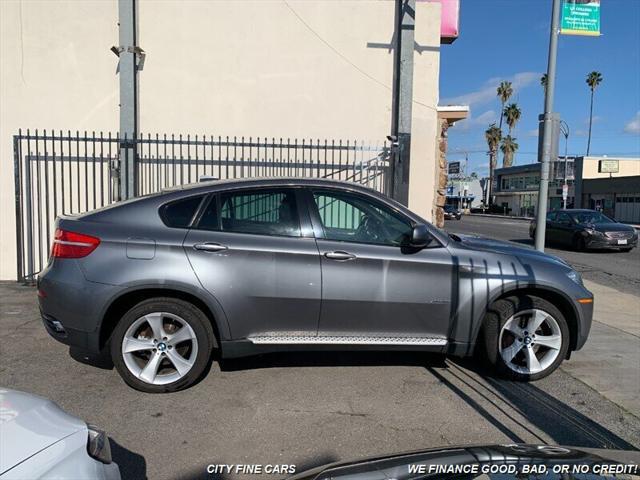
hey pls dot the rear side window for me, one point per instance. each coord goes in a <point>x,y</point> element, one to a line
<point>179,214</point>
<point>261,212</point>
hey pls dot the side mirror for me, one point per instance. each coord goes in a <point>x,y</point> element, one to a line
<point>420,236</point>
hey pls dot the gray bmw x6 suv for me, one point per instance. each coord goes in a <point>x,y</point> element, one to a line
<point>252,266</point>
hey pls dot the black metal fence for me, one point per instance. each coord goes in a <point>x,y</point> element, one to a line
<point>58,173</point>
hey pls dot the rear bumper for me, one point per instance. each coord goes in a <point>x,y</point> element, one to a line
<point>72,307</point>
<point>85,341</point>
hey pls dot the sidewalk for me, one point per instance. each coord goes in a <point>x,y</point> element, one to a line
<point>610,361</point>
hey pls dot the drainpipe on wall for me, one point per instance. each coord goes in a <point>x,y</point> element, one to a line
<point>128,52</point>
<point>402,98</point>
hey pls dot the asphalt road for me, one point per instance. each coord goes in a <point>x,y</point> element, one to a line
<point>304,410</point>
<point>618,270</point>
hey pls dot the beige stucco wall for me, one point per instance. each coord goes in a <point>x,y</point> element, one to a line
<point>627,167</point>
<point>301,68</point>
<point>56,72</point>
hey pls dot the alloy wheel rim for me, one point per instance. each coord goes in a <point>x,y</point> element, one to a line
<point>159,348</point>
<point>530,341</point>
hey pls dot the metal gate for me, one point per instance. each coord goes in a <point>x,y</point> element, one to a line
<point>64,173</point>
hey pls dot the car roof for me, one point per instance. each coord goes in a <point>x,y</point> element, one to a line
<point>268,181</point>
<point>575,210</point>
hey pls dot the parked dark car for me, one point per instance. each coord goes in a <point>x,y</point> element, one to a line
<point>262,265</point>
<point>587,229</point>
<point>486,462</point>
<point>451,213</point>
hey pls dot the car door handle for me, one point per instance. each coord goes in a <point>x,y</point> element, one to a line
<point>340,255</point>
<point>210,247</point>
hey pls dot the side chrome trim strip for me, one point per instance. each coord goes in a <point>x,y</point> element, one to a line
<point>345,340</point>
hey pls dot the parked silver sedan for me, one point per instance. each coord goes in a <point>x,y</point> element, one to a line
<point>40,440</point>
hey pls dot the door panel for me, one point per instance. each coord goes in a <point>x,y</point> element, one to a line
<point>564,228</point>
<point>265,283</point>
<point>372,283</point>
<point>383,291</point>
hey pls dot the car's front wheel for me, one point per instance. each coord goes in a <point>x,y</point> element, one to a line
<point>524,337</point>
<point>162,345</point>
<point>579,244</point>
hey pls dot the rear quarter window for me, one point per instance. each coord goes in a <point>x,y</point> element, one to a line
<point>179,213</point>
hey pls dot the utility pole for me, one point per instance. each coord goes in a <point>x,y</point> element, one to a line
<point>128,70</point>
<point>403,98</point>
<point>543,192</point>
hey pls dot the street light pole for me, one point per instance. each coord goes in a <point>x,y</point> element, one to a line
<point>543,192</point>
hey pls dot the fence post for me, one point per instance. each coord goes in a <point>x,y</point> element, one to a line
<point>18,199</point>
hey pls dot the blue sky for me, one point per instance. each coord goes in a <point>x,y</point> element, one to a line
<point>509,40</point>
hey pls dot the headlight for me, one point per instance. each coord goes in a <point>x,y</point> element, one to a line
<point>575,276</point>
<point>593,232</point>
<point>98,445</point>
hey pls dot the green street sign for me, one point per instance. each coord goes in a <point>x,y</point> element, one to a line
<point>580,17</point>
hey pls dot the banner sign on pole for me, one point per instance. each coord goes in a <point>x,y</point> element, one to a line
<point>580,17</point>
<point>454,168</point>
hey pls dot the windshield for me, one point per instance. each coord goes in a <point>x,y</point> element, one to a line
<point>591,218</point>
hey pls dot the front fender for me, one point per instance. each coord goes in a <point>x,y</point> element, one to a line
<point>471,311</point>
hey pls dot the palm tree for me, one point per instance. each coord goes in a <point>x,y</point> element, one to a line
<point>504,91</point>
<point>512,114</point>
<point>543,82</point>
<point>493,135</point>
<point>593,80</point>
<point>509,147</point>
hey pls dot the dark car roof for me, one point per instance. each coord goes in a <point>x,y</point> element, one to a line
<point>575,210</point>
<point>268,181</point>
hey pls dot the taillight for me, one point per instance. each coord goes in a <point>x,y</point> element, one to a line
<point>72,245</point>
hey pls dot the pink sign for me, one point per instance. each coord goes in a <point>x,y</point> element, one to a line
<point>449,25</point>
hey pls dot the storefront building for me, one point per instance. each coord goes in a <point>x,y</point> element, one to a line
<point>516,188</point>
<point>611,185</point>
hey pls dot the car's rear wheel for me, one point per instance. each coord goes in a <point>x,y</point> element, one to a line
<point>524,337</point>
<point>162,345</point>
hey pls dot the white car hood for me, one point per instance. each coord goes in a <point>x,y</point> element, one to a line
<point>29,424</point>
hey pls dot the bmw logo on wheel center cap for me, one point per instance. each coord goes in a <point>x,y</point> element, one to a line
<point>162,347</point>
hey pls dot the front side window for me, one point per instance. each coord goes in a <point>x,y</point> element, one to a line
<point>350,218</point>
<point>261,212</point>
<point>589,218</point>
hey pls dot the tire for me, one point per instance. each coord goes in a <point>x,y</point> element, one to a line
<point>194,346</point>
<point>578,244</point>
<point>626,250</point>
<point>496,336</point>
